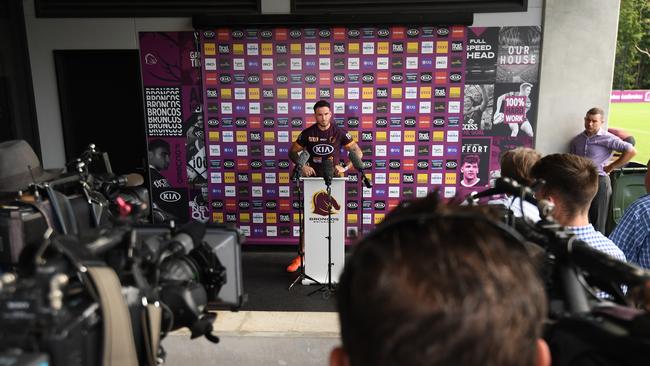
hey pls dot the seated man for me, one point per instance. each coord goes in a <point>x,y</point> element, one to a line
<point>516,164</point>
<point>632,234</point>
<point>440,286</point>
<point>571,184</point>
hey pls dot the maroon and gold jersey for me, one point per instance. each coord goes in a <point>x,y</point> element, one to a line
<point>322,145</point>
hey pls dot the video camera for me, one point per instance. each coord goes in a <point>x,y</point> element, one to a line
<point>598,306</point>
<point>86,282</point>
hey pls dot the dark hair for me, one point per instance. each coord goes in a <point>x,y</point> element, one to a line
<point>596,110</point>
<point>158,143</point>
<point>517,163</point>
<point>321,103</point>
<point>471,159</point>
<point>440,285</point>
<point>570,178</point>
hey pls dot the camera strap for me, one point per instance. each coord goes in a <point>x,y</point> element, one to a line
<point>118,342</point>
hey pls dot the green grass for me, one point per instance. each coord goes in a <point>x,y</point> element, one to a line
<point>635,119</point>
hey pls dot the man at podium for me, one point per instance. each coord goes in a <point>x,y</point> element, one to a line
<point>322,141</point>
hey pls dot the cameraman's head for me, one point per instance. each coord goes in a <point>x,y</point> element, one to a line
<point>517,163</point>
<point>571,184</point>
<point>436,285</point>
<point>159,154</point>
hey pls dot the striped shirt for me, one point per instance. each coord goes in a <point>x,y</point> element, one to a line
<point>632,234</point>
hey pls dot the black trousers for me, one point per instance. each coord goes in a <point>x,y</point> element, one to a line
<point>599,208</point>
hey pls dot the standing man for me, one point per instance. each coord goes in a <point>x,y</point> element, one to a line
<point>632,234</point>
<point>598,145</point>
<point>323,141</point>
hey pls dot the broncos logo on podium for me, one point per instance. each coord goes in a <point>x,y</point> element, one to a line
<point>320,204</point>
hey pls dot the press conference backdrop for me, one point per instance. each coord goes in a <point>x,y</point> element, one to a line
<point>416,99</point>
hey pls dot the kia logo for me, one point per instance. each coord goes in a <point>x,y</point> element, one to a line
<point>367,164</point>
<point>310,78</point>
<point>324,33</point>
<point>323,149</point>
<point>352,205</point>
<point>339,78</point>
<point>254,79</point>
<point>397,78</point>
<point>213,122</point>
<point>394,164</point>
<point>380,205</point>
<point>271,204</point>
<point>451,164</point>
<point>208,34</point>
<point>383,33</point>
<point>412,32</point>
<point>269,122</point>
<point>237,34</point>
<point>439,122</point>
<point>442,31</point>
<point>283,164</point>
<point>225,79</point>
<point>426,77</point>
<point>455,77</point>
<point>410,122</point>
<point>296,122</point>
<point>228,164</point>
<point>295,34</point>
<point>282,79</point>
<point>353,33</point>
<point>240,122</point>
<point>256,164</point>
<point>423,164</point>
<point>244,204</point>
<point>368,78</point>
<point>217,204</point>
<point>266,34</point>
<point>381,122</point>
<point>353,122</point>
<point>170,196</point>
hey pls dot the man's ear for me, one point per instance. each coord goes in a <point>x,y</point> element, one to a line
<point>543,353</point>
<point>338,357</point>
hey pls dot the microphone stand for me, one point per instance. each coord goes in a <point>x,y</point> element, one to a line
<point>301,252</point>
<point>328,288</point>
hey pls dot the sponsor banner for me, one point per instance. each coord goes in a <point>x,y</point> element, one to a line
<point>629,96</point>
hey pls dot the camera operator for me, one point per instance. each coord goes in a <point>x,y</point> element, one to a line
<point>571,184</point>
<point>437,285</point>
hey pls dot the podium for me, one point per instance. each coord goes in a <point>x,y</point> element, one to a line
<point>315,203</point>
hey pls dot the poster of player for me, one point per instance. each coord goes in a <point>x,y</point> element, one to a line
<point>482,47</point>
<point>478,106</point>
<point>475,162</point>
<point>515,111</point>
<point>518,56</point>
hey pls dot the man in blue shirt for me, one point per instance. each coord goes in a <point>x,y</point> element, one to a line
<point>571,183</point>
<point>598,145</point>
<point>632,234</point>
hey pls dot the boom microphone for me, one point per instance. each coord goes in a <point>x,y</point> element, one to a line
<point>328,171</point>
<point>128,180</point>
<point>509,186</point>
<point>358,165</point>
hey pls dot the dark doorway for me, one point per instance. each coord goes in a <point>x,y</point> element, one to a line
<point>101,102</point>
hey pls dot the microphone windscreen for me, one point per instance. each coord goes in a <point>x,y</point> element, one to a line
<point>134,180</point>
<point>356,161</point>
<point>303,158</point>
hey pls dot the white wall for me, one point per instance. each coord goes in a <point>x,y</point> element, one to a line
<point>576,71</point>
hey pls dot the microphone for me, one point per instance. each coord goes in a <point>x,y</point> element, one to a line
<point>358,165</point>
<point>127,180</point>
<point>328,171</point>
<point>302,160</point>
<point>509,186</point>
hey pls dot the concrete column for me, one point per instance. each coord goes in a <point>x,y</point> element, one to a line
<point>578,51</point>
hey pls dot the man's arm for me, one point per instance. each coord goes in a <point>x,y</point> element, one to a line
<point>306,170</point>
<point>352,146</point>
<point>626,156</point>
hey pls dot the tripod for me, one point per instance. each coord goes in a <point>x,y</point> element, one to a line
<point>301,252</point>
<point>328,288</point>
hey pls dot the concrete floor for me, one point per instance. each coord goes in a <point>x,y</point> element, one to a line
<point>259,338</point>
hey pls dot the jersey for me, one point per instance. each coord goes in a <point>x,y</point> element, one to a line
<point>323,145</point>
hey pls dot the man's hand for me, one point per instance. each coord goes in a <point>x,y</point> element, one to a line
<point>340,171</point>
<point>308,171</point>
